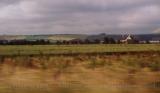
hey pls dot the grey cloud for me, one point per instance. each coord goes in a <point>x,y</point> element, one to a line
<point>4,3</point>
<point>79,16</point>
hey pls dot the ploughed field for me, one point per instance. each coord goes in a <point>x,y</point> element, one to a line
<point>96,72</point>
<point>76,49</point>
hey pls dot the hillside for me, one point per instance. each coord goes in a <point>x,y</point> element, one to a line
<point>49,37</point>
<point>78,36</point>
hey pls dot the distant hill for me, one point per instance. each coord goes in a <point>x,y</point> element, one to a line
<point>48,37</point>
<point>67,37</point>
<point>120,37</point>
<point>78,36</point>
<point>10,37</point>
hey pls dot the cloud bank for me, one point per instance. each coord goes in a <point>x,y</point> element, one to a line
<point>79,16</point>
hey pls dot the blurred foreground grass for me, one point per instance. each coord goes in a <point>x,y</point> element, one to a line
<point>128,73</point>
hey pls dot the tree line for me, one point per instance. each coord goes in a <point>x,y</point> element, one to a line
<point>24,42</point>
<point>106,40</point>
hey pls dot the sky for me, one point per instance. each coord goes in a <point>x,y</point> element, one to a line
<point>79,16</point>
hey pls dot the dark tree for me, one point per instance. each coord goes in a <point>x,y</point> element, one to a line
<point>97,41</point>
<point>58,42</point>
<point>112,41</point>
<point>87,41</point>
<point>106,40</point>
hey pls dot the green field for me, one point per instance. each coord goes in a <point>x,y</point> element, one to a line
<point>71,49</point>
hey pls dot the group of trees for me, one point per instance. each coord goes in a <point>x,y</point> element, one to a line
<point>106,40</point>
<point>24,42</point>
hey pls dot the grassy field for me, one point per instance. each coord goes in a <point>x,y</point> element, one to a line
<point>70,49</point>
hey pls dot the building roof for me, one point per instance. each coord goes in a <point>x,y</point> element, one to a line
<point>129,37</point>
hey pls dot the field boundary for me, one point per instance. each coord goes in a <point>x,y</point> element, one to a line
<point>85,54</point>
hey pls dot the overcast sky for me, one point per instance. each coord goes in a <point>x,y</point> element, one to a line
<point>79,16</point>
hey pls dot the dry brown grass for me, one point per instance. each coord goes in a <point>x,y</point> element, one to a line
<point>81,73</point>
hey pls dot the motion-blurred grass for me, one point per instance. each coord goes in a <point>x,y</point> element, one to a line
<point>80,74</point>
